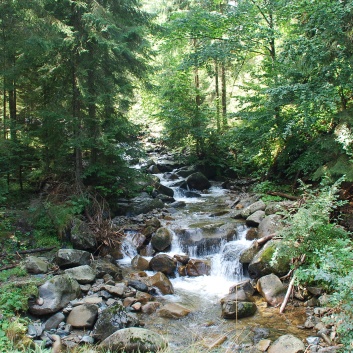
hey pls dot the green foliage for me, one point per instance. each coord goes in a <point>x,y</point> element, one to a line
<point>16,271</point>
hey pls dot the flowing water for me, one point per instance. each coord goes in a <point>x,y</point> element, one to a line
<point>204,230</point>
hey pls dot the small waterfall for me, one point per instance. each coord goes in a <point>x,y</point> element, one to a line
<point>128,249</point>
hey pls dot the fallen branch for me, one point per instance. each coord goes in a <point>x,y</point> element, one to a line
<point>264,240</point>
<point>289,291</point>
<point>8,267</point>
<point>282,194</point>
<point>30,251</point>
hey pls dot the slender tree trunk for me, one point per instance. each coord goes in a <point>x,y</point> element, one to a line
<point>224,96</point>
<point>218,108</point>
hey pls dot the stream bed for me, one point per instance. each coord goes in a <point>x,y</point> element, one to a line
<point>203,229</point>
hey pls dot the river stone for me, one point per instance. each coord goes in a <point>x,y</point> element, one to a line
<point>143,204</point>
<point>150,307</point>
<point>83,316</point>
<point>153,169</point>
<point>82,274</point>
<point>67,258</point>
<point>269,225</point>
<point>104,266</point>
<point>240,296</point>
<point>163,263</point>
<point>197,267</point>
<point>162,239</point>
<point>287,344</point>
<point>140,263</point>
<point>138,285</point>
<point>198,181</point>
<point>161,282</point>
<point>272,289</point>
<point>237,310</point>
<point>36,265</point>
<point>162,189</point>
<point>54,321</point>
<point>81,237</point>
<point>138,240</point>
<point>244,286</point>
<point>248,254</point>
<point>255,218</point>
<point>251,234</point>
<point>133,339</point>
<point>143,297</point>
<point>112,319</point>
<point>256,206</point>
<point>275,207</point>
<point>119,289</point>
<point>262,265</point>
<point>56,293</point>
<point>173,311</point>
<point>184,172</point>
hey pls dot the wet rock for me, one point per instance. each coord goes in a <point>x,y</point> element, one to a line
<point>67,258</point>
<point>81,237</point>
<point>239,295</point>
<point>163,263</point>
<point>244,286</point>
<point>35,329</point>
<point>82,274</point>
<point>312,340</point>
<point>186,171</point>
<point>140,263</point>
<point>162,239</point>
<point>104,266</point>
<point>150,307</point>
<point>138,240</point>
<point>269,225</point>
<point>287,344</point>
<point>251,234</point>
<point>183,259</point>
<point>112,319</point>
<point>198,181</point>
<point>255,218</point>
<point>275,207</point>
<point>56,293</point>
<point>256,206</point>
<point>153,169</point>
<point>262,264</point>
<point>138,285</point>
<point>143,297</point>
<point>54,321</point>
<point>83,316</point>
<point>248,254</point>
<point>161,281</point>
<point>134,340</point>
<point>119,289</point>
<point>237,310</point>
<point>162,189</point>
<point>142,205</point>
<point>178,204</point>
<point>196,267</point>
<point>272,289</point>
<point>173,311</point>
<point>36,265</point>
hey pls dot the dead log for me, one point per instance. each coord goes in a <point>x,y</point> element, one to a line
<point>282,194</point>
<point>264,240</point>
<point>8,267</point>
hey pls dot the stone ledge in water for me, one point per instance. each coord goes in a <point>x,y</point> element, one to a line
<point>233,309</point>
<point>135,340</point>
<point>173,311</point>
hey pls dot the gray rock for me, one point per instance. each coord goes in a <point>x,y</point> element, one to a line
<point>83,316</point>
<point>173,311</point>
<point>269,225</point>
<point>162,189</point>
<point>36,265</point>
<point>272,289</point>
<point>162,239</point>
<point>67,258</point>
<point>198,181</point>
<point>82,238</point>
<point>138,285</point>
<point>54,321</point>
<point>134,340</point>
<point>82,274</point>
<point>103,267</point>
<point>262,264</point>
<point>287,344</point>
<point>112,319</point>
<point>312,340</point>
<point>275,207</point>
<point>143,204</point>
<point>55,294</point>
<point>248,254</point>
<point>233,309</point>
<point>255,218</point>
<point>163,263</point>
<point>256,206</point>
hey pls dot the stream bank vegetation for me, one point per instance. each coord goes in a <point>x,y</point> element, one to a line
<point>259,89</point>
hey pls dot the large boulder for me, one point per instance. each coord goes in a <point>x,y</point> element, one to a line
<point>66,258</point>
<point>135,340</point>
<point>163,263</point>
<point>104,267</point>
<point>83,316</point>
<point>248,254</point>
<point>272,289</point>
<point>55,294</point>
<point>161,282</point>
<point>256,206</point>
<point>81,237</point>
<point>197,267</point>
<point>143,204</point>
<point>287,344</point>
<point>197,181</point>
<point>162,239</point>
<point>140,263</point>
<point>162,189</point>
<point>262,264</point>
<point>173,311</point>
<point>269,225</point>
<point>274,207</point>
<point>82,274</point>
<point>255,218</point>
<point>36,265</point>
<point>112,319</point>
<point>243,292</point>
<point>233,309</point>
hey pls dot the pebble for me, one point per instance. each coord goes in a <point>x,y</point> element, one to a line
<point>313,340</point>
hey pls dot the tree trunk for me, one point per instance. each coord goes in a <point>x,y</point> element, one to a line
<point>218,109</point>
<point>224,96</point>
